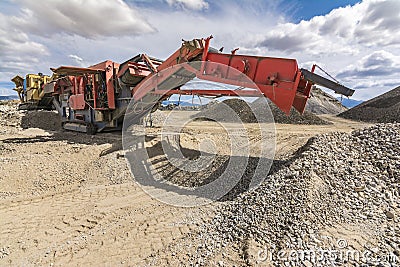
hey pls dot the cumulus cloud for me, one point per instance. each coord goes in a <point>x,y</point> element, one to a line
<point>378,63</point>
<point>78,61</point>
<point>34,35</point>
<point>369,23</point>
<point>357,44</point>
<point>189,4</point>
<point>373,74</point>
<point>378,23</point>
<point>87,18</point>
<point>17,50</point>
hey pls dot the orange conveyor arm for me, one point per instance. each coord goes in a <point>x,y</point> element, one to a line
<point>279,79</point>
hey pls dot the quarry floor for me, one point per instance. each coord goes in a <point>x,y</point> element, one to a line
<point>69,198</point>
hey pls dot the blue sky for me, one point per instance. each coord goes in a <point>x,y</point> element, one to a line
<point>307,9</point>
<point>356,41</point>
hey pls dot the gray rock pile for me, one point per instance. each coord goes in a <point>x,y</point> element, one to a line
<point>245,112</point>
<point>323,103</point>
<point>337,179</point>
<point>43,119</point>
<point>9,115</point>
<point>383,108</point>
<point>294,117</point>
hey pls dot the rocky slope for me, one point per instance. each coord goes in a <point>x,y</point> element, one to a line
<point>338,181</point>
<point>383,108</point>
<point>323,103</point>
<point>245,111</point>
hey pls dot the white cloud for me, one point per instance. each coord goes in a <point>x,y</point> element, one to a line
<point>378,63</point>
<point>17,50</point>
<point>28,36</point>
<point>373,74</point>
<point>369,23</point>
<point>87,18</point>
<point>189,4</point>
<point>322,33</point>
<point>379,23</point>
<point>78,60</point>
<point>355,43</point>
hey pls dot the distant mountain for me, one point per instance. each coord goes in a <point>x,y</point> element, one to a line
<point>347,102</point>
<point>8,97</point>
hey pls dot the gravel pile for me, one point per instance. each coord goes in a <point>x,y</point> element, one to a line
<point>383,108</point>
<point>218,111</point>
<point>337,178</point>
<point>323,103</point>
<point>9,115</point>
<point>244,110</point>
<point>295,117</point>
<point>43,119</point>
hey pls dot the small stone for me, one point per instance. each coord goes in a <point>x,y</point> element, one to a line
<point>359,188</point>
<point>389,214</point>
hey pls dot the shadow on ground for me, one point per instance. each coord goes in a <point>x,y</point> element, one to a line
<point>161,164</point>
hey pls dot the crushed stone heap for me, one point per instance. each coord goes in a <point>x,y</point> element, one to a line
<point>383,108</point>
<point>244,110</point>
<point>336,179</point>
<point>321,102</point>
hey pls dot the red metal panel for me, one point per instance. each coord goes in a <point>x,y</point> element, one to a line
<point>95,88</point>
<point>77,102</point>
<point>277,78</point>
<point>74,86</point>
<point>110,85</point>
<point>282,69</point>
<point>80,85</point>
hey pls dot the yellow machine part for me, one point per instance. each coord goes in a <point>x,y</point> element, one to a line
<point>34,84</point>
<point>19,87</point>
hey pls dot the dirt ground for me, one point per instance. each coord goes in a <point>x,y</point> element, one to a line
<point>69,198</point>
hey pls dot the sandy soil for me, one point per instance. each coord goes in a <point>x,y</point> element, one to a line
<point>69,198</point>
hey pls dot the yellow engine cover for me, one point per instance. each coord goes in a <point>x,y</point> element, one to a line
<point>34,84</point>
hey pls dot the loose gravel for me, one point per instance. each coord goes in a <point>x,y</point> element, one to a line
<point>245,112</point>
<point>323,103</point>
<point>336,178</point>
<point>383,108</point>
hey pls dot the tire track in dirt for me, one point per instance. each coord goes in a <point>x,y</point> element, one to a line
<point>109,223</point>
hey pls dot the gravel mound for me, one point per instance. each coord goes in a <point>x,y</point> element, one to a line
<point>383,108</point>
<point>46,120</point>
<point>295,117</point>
<point>337,178</point>
<point>219,112</point>
<point>244,110</point>
<point>323,103</point>
<point>9,115</point>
